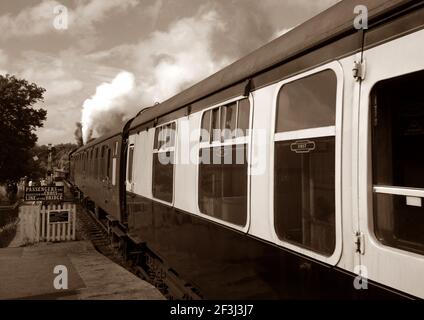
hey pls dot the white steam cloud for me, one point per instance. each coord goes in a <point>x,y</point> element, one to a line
<point>109,98</point>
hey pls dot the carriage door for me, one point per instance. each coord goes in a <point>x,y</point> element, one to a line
<point>391,163</point>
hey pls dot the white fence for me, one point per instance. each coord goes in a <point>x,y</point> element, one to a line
<point>58,222</point>
<point>47,223</point>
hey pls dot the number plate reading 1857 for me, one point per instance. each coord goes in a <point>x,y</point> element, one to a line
<point>303,146</point>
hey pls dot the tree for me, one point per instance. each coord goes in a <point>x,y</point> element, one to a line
<point>60,158</point>
<point>18,121</point>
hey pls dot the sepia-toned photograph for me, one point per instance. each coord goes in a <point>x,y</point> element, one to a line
<point>214,155</point>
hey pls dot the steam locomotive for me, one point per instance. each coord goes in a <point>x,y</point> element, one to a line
<point>327,202</point>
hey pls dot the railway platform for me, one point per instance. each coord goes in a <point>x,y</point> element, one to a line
<point>28,273</point>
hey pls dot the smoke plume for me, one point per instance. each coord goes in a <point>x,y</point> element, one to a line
<point>105,110</point>
<point>78,134</point>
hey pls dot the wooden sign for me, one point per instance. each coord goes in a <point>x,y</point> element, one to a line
<point>44,193</point>
<point>58,216</point>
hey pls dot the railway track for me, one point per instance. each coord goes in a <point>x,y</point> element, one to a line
<point>91,228</point>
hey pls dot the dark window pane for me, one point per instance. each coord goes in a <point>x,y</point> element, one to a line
<point>170,135</point>
<point>163,176</point>
<point>308,102</point>
<point>398,131</point>
<point>215,127</point>
<point>205,134</point>
<point>108,169</point>
<point>304,196</point>
<point>223,184</point>
<point>156,143</point>
<point>165,136</point>
<point>96,164</point>
<point>397,224</point>
<point>397,108</point>
<point>130,163</point>
<point>160,137</point>
<point>228,120</point>
<point>243,116</point>
<point>102,170</point>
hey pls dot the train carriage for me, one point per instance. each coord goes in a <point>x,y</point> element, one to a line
<point>96,171</point>
<point>328,122</point>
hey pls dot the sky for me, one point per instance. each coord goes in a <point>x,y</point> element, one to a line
<point>101,61</point>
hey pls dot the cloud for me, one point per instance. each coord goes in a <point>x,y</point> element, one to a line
<point>153,11</point>
<point>52,73</point>
<point>39,19</point>
<point>87,14</point>
<point>69,78</point>
<point>3,58</point>
<point>170,61</point>
<point>31,21</point>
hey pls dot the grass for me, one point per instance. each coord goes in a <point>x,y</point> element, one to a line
<point>8,225</point>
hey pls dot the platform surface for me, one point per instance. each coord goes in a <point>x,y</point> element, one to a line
<point>27,273</point>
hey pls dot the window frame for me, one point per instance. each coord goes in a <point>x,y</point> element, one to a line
<point>319,132</point>
<point>169,149</point>
<point>385,189</point>
<point>109,164</point>
<point>130,179</point>
<point>96,163</point>
<point>247,139</point>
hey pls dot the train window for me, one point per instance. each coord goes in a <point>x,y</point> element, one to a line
<point>157,142</point>
<point>243,117</point>
<point>215,128</point>
<point>170,135</point>
<point>130,163</point>
<point>102,162</point>
<point>163,163</point>
<point>304,163</point>
<point>108,161</point>
<point>206,124</point>
<point>116,148</point>
<point>223,170</point>
<point>92,162</point>
<point>397,108</point>
<point>84,161</point>
<point>228,121</point>
<point>307,103</point>
<point>96,164</point>
<point>223,184</point>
